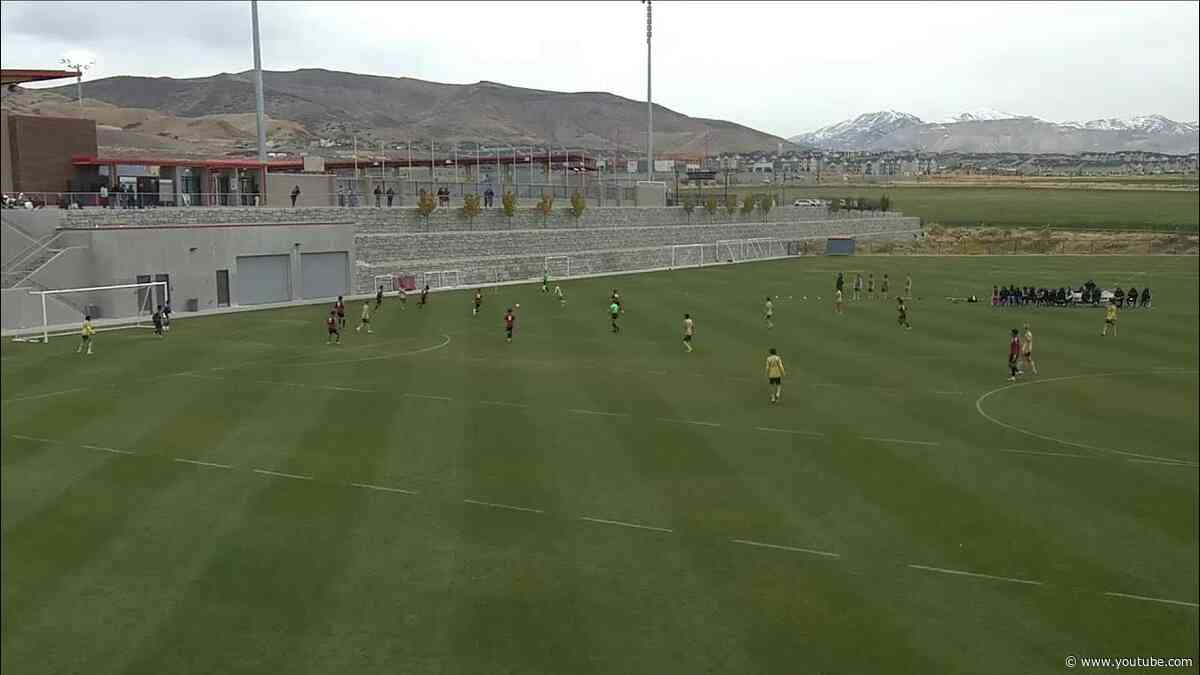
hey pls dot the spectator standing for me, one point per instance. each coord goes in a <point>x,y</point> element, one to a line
<point>488,197</point>
<point>378,196</point>
<point>295,194</point>
<point>391,194</point>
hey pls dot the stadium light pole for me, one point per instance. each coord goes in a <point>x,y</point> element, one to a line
<point>649,104</point>
<point>79,69</point>
<point>258,87</point>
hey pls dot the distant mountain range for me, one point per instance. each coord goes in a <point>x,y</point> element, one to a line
<point>323,104</point>
<point>984,131</point>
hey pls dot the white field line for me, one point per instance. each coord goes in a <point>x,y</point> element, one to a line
<point>267,472</point>
<point>897,440</point>
<point>1149,599</point>
<point>790,431</point>
<point>380,488</point>
<point>441,345</point>
<point>1046,454</point>
<point>505,404</point>
<point>35,438</point>
<point>625,524</point>
<point>316,386</point>
<point>1172,462</point>
<point>200,463</point>
<point>581,411</point>
<point>46,395</point>
<point>949,393</point>
<point>794,549</point>
<point>503,506</point>
<point>964,573</point>
<point>104,449</point>
<point>681,421</point>
<point>198,376</point>
<point>1012,427</point>
<point>428,397</point>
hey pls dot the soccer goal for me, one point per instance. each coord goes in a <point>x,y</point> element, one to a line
<point>111,308</point>
<point>558,266</point>
<point>385,281</point>
<point>765,247</point>
<point>731,249</point>
<point>443,278</point>
<point>685,255</point>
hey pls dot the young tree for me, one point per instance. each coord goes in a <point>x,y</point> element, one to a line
<point>689,205</point>
<point>710,206</point>
<point>426,205</point>
<point>835,205</point>
<point>509,202</point>
<point>470,207</point>
<point>731,204</point>
<point>545,207</point>
<point>885,203</point>
<point>578,204</point>
<point>764,206</point>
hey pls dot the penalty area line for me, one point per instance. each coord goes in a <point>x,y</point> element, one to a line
<point>509,507</point>
<point>1150,599</point>
<point>794,549</point>
<point>978,575</point>
<point>104,449</point>
<point>380,488</point>
<point>622,523</point>
<point>268,472</point>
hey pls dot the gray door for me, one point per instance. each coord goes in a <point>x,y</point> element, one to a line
<point>324,275</point>
<point>263,278</point>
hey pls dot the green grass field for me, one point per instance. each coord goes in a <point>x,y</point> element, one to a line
<point>584,502</point>
<point>1022,207</point>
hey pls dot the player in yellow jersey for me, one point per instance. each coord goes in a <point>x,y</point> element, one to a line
<point>775,373</point>
<point>366,318</point>
<point>769,313</point>
<point>908,286</point>
<point>558,293</point>
<point>837,301</point>
<point>85,333</point>
<point>1110,318</point>
<point>689,330</point>
<point>1027,350</point>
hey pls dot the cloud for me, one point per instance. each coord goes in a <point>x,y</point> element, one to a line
<point>780,67</point>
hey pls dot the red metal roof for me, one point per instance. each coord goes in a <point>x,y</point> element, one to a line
<point>576,158</point>
<point>13,76</point>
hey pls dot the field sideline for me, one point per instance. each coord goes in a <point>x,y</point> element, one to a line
<point>240,497</point>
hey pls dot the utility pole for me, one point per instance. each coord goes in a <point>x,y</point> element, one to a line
<point>79,69</point>
<point>649,104</point>
<point>258,87</point>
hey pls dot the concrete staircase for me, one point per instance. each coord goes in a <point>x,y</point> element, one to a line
<point>29,262</point>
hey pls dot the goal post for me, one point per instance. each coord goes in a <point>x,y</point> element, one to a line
<point>557,266</point>
<point>685,255</point>
<point>442,278</point>
<point>765,247</point>
<point>110,307</point>
<point>386,281</point>
<point>731,249</point>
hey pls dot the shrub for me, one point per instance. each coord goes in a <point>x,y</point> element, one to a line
<point>578,204</point>
<point>509,202</point>
<point>470,207</point>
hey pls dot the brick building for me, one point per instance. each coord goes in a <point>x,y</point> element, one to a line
<point>38,151</point>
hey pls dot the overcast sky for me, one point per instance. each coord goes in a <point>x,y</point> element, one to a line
<point>780,67</point>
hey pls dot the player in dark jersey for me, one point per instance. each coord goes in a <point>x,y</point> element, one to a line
<point>1014,353</point>
<point>902,314</point>
<point>509,319</point>
<point>331,324</point>
<point>158,321</point>
<point>424,296</point>
<point>340,308</point>
<point>883,287</point>
<point>379,299</point>
<point>478,302</point>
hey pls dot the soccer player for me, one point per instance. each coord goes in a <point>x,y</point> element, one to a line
<point>614,310</point>
<point>883,288</point>
<point>1027,350</point>
<point>1110,318</point>
<point>340,308</point>
<point>769,313</point>
<point>545,281</point>
<point>841,280</point>
<point>166,316</point>
<point>858,286</point>
<point>157,318</point>
<point>871,285</point>
<point>331,324</point>
<point>837,301</point>
<point>908,286</point>
<point>424,296</point>
<point>1014,350</point>
<point>403,299</point>
<point>558,293</point>
<point>616,298</point>
<point>85,334</point>
<point>509,319</point>
<point>689,329</point>
<point>775,375</point>
<point>366,318</point>
<point>902,314</point>
<point>478,302</point>
<point>379,299</point>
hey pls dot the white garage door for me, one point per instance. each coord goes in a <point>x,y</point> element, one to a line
<point>263,278</point>
<point>324,275</point>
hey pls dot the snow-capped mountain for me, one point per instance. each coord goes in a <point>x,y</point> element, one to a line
<point>858,132</point>
<point>1151,124</point>
<point>981,115</point>
<point>986,130</point>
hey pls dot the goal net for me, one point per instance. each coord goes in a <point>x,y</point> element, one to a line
<point>60,312</point>
<point>385,281</point>
<point>558,266</point>
<point>731,250</point>
<point>684,255</point>
<point>441,279</point>
<point>765,247</point>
